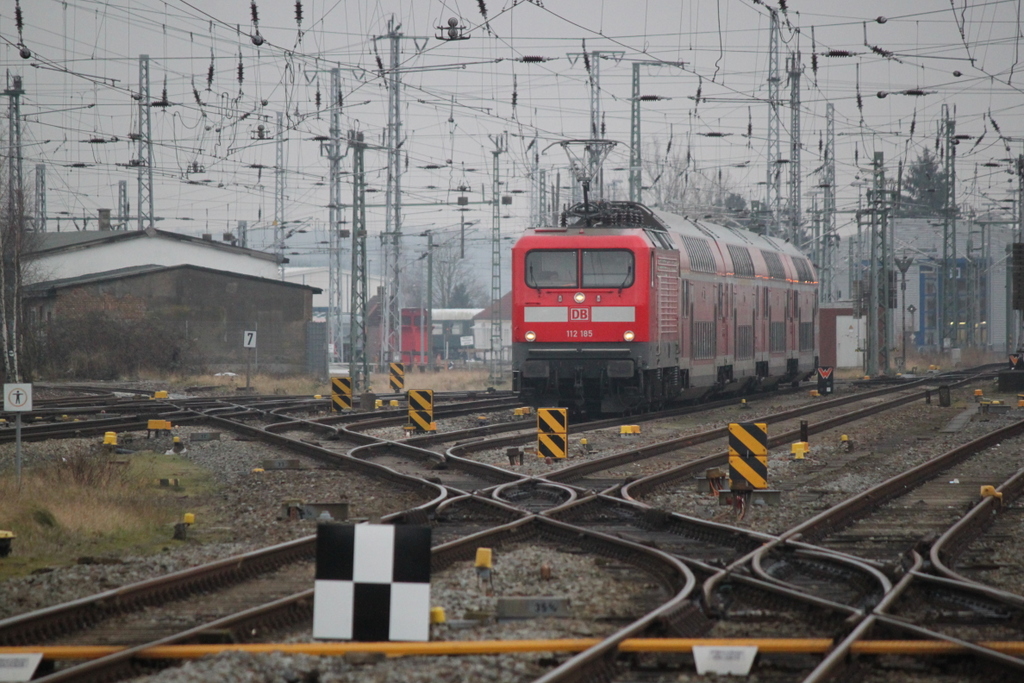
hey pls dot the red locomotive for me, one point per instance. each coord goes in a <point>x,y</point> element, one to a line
<point>623,308</point>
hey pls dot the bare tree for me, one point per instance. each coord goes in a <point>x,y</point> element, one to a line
<point>13,243</point>
<point>455,283</point>
<point>677,183</point>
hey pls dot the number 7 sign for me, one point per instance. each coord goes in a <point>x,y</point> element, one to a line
<point>249,339</point>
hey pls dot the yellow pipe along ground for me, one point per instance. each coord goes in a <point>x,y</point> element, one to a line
<point>495,647</point>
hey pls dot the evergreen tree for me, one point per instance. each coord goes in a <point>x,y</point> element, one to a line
<point>924,188</point>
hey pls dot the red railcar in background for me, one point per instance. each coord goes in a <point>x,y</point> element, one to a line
<point>623,308</point>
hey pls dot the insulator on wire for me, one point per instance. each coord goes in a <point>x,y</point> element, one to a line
<point>913,124</point>
<point>298,12</point>
<point>241,69</point>
<point>483,8</point>
<point>317,100</point>
<point>209,74</point>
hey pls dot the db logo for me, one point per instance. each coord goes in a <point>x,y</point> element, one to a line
<point>577,314</point>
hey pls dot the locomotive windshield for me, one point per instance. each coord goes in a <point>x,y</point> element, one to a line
<point>607,268</point>
<point>602,268</point>
<point>551,268</point>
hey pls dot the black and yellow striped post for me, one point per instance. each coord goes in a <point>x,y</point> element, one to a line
<point>341,394</point>
<point>421,409</point>
<point>397,376</point>
<point>552,432</point>
<point>748,455</point>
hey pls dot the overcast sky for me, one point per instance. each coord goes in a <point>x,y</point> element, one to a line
<point>79,113</point>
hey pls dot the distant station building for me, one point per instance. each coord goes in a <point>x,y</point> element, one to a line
<point>57,255</point>
<point>482,329</point>
<point>212,308</point>
<point>979,288</point>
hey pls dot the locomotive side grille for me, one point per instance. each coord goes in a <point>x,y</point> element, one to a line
<point>803,270</point>
<point>806,336</point>
<point>742,264</point>
<point>777,338</point>
<point>668,297</point>
<point>775,267</point>
<point>704,341</point>
<point>744,342</point>
<point>701,258</point>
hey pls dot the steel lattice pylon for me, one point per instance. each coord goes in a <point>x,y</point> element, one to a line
<point>359,362</point>
<point>145,148</point>
<point>500,142</point>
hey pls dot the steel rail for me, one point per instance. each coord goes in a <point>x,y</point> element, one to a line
<point>948,547</point>
<point>674,577</point>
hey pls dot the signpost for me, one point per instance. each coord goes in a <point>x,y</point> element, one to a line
<point>18,400</point>
<point>248,342</point>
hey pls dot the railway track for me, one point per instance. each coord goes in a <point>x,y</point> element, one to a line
<point>751,581</point>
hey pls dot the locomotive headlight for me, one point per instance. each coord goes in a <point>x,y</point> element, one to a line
<point>579,297</point>
<point>530,336</point>
<point>628,335</point>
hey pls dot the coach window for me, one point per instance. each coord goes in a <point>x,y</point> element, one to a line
<point>607,268</point>
<point>551,268</point>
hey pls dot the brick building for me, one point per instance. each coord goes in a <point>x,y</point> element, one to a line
<point>212,308</point>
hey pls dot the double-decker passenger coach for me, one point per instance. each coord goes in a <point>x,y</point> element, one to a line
<point>622,308</point>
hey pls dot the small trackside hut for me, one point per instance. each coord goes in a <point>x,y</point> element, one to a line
<point>622,308</point>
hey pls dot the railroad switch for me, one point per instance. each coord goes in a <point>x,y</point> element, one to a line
<point>160,394</point>
<point>750,497</point>
<point>484,564</point>
<point>110,438</point>
<point>393,403</point>
<point>815,393</point>
<point>846,442</point>
<point>437,615</point>
<point>1020,400</point>
<point>744,405</point>
<point>979,395</point>
<point>515,456</point>
<point>715,479</point>
<point>6,538</point>
<point>986,492</point>
<point>800,449</point>
<point>629,430</point>
<point>585,446</point>
<point>157,426</point>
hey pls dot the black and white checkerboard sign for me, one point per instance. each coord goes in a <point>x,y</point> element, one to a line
<point>372,582</point>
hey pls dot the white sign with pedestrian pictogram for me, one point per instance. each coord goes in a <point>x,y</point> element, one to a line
<point>17,398</point>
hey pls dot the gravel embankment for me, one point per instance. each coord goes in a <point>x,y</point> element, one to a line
<point>604,595</point>
<point>245,513</point>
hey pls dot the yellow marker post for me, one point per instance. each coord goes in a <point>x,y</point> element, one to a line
<point>421,409</point>
<point>341,394</point>
<point>748,455</point>
<point>552,432</point>
<point>397,376</point>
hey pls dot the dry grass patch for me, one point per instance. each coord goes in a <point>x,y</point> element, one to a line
<point>86,502</point>
<point>443,380</point>
<point>459,379</point>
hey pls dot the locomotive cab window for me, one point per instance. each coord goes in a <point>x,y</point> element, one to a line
<point>549,268</point>
<point>612,268</point>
